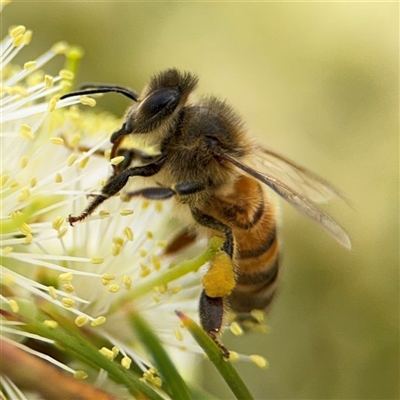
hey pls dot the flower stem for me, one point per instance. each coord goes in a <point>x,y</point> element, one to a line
<point>224,367</point>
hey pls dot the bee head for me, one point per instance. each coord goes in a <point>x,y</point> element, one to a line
<point>160,100</point>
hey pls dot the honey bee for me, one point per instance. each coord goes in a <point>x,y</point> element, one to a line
<point>221,178</point>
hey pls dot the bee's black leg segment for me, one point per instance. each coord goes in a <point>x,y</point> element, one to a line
<point>211,222</point>
<point>211,310</point>
<point>124,130</point>
<point>115,184</point>
<point>188,188</point>
<point>152,193</point>
<point>163,193</point>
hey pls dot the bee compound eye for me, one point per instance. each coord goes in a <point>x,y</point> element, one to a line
<point>163,102</point>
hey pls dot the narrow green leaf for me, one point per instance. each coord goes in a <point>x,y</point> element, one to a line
<point>224,367</point>
<point>175,385</point>
<point>74,343</point>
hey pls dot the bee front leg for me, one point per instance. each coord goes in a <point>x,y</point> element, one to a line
<point>115,184</point>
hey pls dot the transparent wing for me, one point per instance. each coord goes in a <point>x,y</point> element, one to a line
<point>295,176</point>
<point>298,200</point>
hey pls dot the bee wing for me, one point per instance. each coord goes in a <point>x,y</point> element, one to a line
<point>295,176</point>
<point>297,200</point>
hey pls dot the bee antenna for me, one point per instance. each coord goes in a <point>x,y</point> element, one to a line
<point>93,88</point>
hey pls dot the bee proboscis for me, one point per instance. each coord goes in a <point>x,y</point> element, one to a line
<point>223,179</point>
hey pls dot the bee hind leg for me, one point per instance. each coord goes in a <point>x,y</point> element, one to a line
<point>212,310</point>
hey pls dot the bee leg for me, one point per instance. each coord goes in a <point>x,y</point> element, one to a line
<point>115,184</point>
<point>221,282</point>
<point>163,193</point>
<point>211,311</point>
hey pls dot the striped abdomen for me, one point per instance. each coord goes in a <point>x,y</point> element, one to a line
<point>253,221</point>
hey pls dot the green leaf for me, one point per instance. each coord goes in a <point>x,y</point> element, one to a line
<point>75,343</point>
<point>175,385</point>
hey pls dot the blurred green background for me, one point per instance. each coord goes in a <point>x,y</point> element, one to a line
<point>319,82</point>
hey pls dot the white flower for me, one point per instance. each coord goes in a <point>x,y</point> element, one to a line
<point>95,274</point>
<point>90,271</point>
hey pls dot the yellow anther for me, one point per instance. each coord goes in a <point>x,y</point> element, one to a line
<point>145,204</point>
<point>178,334</point>
<point>52,292</point>
<point>66,74</point>
<point>115,350</point>
<point>80,375</point>
<point>156,262</point>
<point>176,290</point>
<point>18,40</point>
<point>30,65</point>
<point>23,162</point>
<point>48,81</point>
<point>81,320</point>
<point>53,103</point>
<point>68,288</point>
<point>236,329</point>
<point>28,238</point>
<point>127,281</point>
<point>67,302</point>
<point>7,250</point>
<point>145,270</point>
<point>126,212</point>
<point>75,140</point>
<point>108,277</point>
<point>98,321</point>
<point>60,47</point>
<point>50,323</point>
<point>126,362</point>
<point>62,232</point>
<point>8,280</point>
<point>71,159</point>
<point>117,160</point>
<point>24,195</point>
<point>259,361</point>
<point>258,315</point>
<point>142,252</point>
<point>128,233</point>
<point>162,289</point>
<point>56,140</point>
<point>87,101</point>
<point>107,353</point>
<point>18,30</point>
<point>13,305</point>
<point>116,249</point>
<point>26,132</point>
<point>97,260</point>
<point>25,228</point>
<point>66,277</point>
<point>104,213</point>
<point>58,178</point>
<point>57,223</point>
<point>3,180</point>
<point>83,162</point>
<point>118,240</point>
<point>33,182</point>
<point>233,356</point>
<point>27,37</point>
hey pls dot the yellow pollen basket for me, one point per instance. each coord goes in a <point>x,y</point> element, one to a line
<point>219,280</point>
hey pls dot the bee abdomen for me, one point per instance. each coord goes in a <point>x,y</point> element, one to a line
<point>255,291</point>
